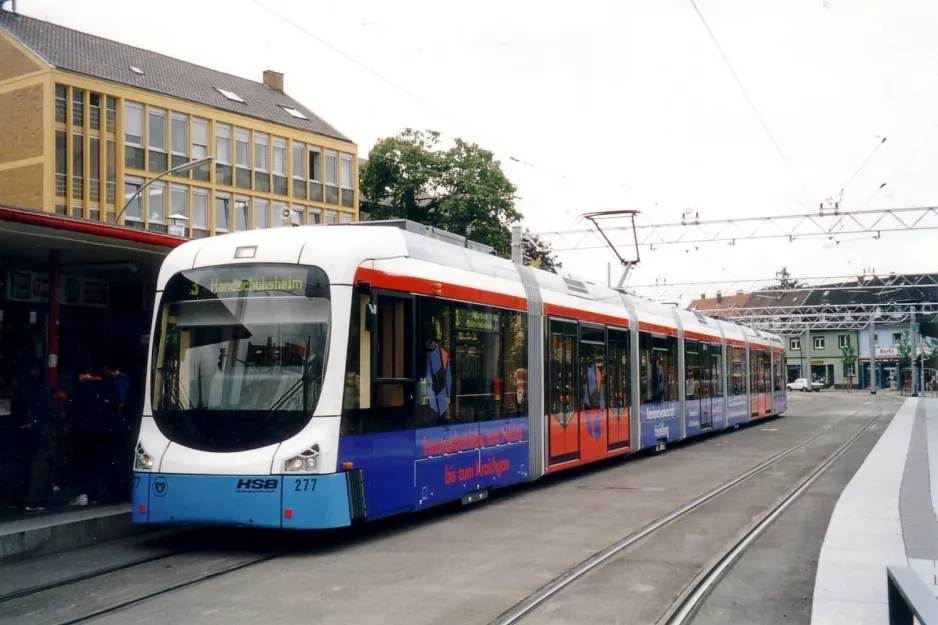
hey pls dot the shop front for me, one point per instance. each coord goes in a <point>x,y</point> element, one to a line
<point>75,297</point>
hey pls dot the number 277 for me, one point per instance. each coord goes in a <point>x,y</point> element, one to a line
<point>305,484</point>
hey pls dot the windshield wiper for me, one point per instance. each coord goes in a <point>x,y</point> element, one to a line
<point>304,381</point>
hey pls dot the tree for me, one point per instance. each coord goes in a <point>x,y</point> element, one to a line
<point>849,360</point>
<point>461,189</point>
<point>534,248</point>
<point>785,281</point>
<point>905,351</point>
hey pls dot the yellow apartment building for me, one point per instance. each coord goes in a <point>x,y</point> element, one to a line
<point>85,122</point>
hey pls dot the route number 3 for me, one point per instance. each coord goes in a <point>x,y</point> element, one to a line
<point>305,484</point>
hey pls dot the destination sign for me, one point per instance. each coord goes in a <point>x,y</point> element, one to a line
<point>478,320</point>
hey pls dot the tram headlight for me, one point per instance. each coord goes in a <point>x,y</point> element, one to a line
<point>305,462</point>
<point>142,460</point>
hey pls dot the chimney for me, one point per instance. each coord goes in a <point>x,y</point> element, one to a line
<point>719,297</point>
<point>703,296</point>
<point>273,80</point>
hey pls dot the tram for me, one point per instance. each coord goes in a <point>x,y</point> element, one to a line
<point>320,376</point>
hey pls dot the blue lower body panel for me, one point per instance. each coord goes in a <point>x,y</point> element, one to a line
<point>273,501</point>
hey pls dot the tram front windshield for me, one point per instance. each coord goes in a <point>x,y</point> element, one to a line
<point>239,355</point>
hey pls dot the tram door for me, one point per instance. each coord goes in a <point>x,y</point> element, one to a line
<point>706,386</point>
<point>562,378</point>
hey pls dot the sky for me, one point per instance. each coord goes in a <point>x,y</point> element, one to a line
<point>623,104</point>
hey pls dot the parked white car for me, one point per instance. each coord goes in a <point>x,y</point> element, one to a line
<point>801,384</point>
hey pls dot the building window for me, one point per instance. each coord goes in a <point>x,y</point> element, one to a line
<point>261,165</point>
<point>242,212</point>
<point>243,158</point>
<point>110,160</point>
<point>78,107</point>
<point>292,111</point>
<point>156,206</point>
<point>200,143</point>
<point>180,141</point>
<point>315,216</point>
<point>61,164</point>
<point>78,167</point>
<point>261,210</point>
<point>347,218</point>
<point>157,140</point>
<point>347,180</point>
<point>111,124</point>
<point>223,154</point>
<point>61,104</point>
<point>231,95</point>
<point>222,212</point>
<point>94,111</point>
<point>133,136</point>
<point>896,338</point>
<point>332,177</point>
<point>299,171</point>
<point>94,164</point>
<point>819,342</point>
<point>179,201</point>
<point>280,165</point>
<point>876,339</point>
<point>134,212</point>
<point>332,217</point>
<point>315,173</point>
<point>794,345</point>
<point>199,213</point>
<point>843,340</point>
<point>281,215</point>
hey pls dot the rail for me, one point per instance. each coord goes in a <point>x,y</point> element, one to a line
<point>909,599</point>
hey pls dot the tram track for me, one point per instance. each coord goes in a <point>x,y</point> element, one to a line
<point>706,579</point>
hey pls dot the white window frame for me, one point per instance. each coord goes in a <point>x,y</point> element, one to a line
<point>138,183</point>
<point>335,171</point>
<point>262,140</point>
<point>819,342</point>
<point>153,112</point>
<point>292,112</point>
<point>794,344</point>
<point>200,144</point>
<point>346,184</point>
<point>332,217</point>
<point>843,340</point>
<point>314,176</point>
<point>301,161</point>
<point>178,190</point>
<point>346,218</point>
<point>261,205</point>
<point>223,131</point>
<point>245,202</point>
<point>243,137</point>
<point>133,112</point>
<point>279,221</point>
<point>201,193</point>
<point>178,117</point>
<point>157,188</point>
<point>897,338</point>
<point>280,144</point>
<point>219,195</point>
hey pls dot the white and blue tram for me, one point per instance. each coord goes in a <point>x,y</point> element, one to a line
<point>320,376</point>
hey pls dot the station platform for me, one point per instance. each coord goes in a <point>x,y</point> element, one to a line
<point>25,534</point>
<point>886,516</point>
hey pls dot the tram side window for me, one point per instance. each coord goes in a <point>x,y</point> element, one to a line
<point>436,365</point>
<point>753,371</point>
<point>716,368</point>
<point>779,361</point>
<point>738,370</point>
<point>766,371</point>
<point>618,370</point>
<point>560,373</point>
<point>592,387</point>
<point>515,364</point>
<point>692,377</point>
<point>658,372</point>
<point>477,375</point>
<point>379,385</point>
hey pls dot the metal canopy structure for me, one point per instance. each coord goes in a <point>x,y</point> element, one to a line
<point>795,320</point>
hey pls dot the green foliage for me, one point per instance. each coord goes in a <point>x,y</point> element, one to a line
<point>905,351</point>
<point>539,252</point>
<point>849,356</point>
<point>461,189</point>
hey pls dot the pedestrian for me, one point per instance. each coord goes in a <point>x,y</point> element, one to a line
<point>87,426</point>
<point>119,453</point>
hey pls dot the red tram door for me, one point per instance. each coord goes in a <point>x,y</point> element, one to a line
<point>563,418</point>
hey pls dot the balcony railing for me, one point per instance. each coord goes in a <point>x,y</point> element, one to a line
<point>61,185</point>
<point>94,115</point>
<point>94,189</point>
<point>61,110</point>
<point>78,187</point>
<point>110,191</point>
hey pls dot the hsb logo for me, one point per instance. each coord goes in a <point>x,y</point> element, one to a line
<point>256,484</point>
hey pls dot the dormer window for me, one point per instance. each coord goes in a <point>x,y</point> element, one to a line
<point>231,95</point>
<point>136,70</point>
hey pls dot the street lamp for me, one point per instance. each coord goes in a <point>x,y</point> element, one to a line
<point>173,170</point>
